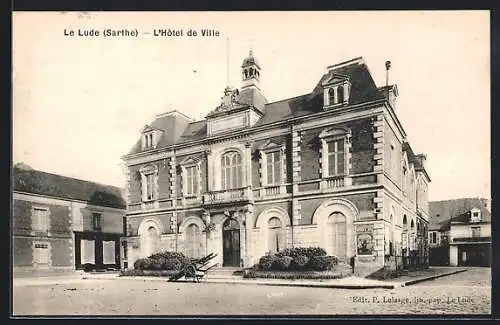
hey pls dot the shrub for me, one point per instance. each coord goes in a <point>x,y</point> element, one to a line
<point>139,264</point>
<point>306,251</point>
<point>172,264</point>
<point>300,262</point>
<point>282,263</point>
<point>167,255</point>
<point>266,262</point>
<point>322,263</point>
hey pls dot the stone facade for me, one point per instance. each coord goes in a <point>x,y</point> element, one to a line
<point>332,169</point>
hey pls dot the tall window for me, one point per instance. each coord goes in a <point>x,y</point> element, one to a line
<point>194,242</point>
<point>149,186</point>
<point>148,140</point>
<point>275,236</point>
<point>273,167</point>
<point>151,241</point>
<point>340,94</point>
<point>191,180</point>
<point>231,170</point>
<point>41,219</point>
<point>337,229</point>
<point>405,175</point>
<point>336,157</point>
<point>331,96</point>
<point>433,237</point>
<point>96,221</point>
<point>476,231</point>
<point>41,256</point>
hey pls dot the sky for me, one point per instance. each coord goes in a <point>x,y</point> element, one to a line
<point>79,102</point>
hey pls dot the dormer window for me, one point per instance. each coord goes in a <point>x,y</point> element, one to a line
<point>148,140</point>
<point>336,89</point>
<point>475,215</point>
<point>150,137</point>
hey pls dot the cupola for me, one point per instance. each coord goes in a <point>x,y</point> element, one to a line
<point>250,72</point>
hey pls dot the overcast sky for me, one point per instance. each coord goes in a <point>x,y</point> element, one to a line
<point>79,103</point>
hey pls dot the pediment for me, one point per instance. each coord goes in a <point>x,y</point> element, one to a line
<point>191,160</point>
<point>334,132</point>
<point>270,144</point>
<point>147,128</point>
<point>334,78</point>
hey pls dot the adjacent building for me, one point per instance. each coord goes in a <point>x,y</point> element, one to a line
<point>61,223</point>
<point>331,168</point>
<point>460,232</point>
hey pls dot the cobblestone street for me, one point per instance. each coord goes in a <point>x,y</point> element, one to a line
<point>464,293</point>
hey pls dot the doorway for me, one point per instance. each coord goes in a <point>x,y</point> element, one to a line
<point>231,243</point>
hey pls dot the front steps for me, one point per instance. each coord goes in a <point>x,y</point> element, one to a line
<point>223,273</point>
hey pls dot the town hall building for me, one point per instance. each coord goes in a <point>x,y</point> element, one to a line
<point>332,168</point>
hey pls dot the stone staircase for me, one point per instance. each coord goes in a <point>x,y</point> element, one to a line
<point>224,273</point>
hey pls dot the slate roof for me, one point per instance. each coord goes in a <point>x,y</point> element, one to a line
<point>441,212</point>
<point>39,182</point>
<point>363,89</point>
<point>252,96</point>
<point>172,125</point>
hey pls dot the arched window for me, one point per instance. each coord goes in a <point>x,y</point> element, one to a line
<point>340,94</point>
<point>275,235</point>
<point>331,96</point>
<point>231,170</point>
<point>194,242</point>
<point>337,230</point>
<point>405,222</point>
<point>151,241</point>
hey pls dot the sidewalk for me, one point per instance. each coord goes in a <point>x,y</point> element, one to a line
<point>427,275</point>
<point>351,282</point>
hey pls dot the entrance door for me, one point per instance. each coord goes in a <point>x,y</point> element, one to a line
<point>231,242</point>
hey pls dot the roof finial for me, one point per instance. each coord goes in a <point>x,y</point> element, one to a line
<point>387,67</point>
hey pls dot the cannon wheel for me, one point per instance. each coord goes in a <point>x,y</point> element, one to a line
<point>190,272</point>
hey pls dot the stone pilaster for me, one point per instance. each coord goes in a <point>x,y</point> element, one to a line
<point>126,171</point>
<point>248,261</point>
<point>173,180</point>
<point>378,145</point>
<point>295,160</point>
<point>378,203</point>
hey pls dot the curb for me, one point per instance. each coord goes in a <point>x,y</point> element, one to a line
<point>291,284</point>
<point>411,282</point>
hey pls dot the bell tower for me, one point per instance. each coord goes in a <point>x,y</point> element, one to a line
<point>250,72</point>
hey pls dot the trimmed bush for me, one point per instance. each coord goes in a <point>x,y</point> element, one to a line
<point>282,263</point>
<point>300,262</point>
<point>266,262</point>
<point>162,261</point>
<point>306,251</point>
<point>167,255</point>
<point>322,263</point>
